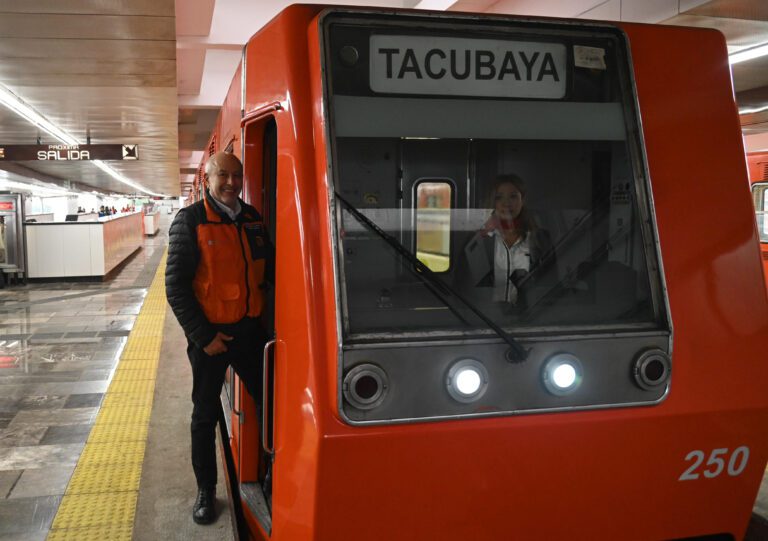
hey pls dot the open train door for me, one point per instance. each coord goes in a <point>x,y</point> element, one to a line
<point>252,446</point>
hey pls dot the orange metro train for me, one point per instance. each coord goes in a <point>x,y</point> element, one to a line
<point>620,395</point>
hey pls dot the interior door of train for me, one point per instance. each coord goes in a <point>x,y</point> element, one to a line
<point>435,180</point>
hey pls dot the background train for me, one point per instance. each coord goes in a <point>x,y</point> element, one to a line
<point>758,177</point>
<point>620,396</point>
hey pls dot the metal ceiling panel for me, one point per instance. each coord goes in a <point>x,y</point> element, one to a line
<point>738,32</point>
<point>76,26</point>
<point>108,49</point>
<point>735,9</point>
<point>751,75</point>
<point>104,7</point>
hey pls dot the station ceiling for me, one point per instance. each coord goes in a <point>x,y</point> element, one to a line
<point>154,72</point>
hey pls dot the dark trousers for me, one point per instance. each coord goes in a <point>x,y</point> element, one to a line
<point>244,354</point>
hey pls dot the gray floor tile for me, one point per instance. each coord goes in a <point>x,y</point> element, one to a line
<point>80,387</point>
<point>71,416</point>
<point>39,456</point>
<point>87,400</point>
<point>37,535</point>
<point>16,391</point>
<point>36,402</point>
<point>50,481</point>
<point>95,375</point>
<point>66,434</point>
<point>27,514</point>
<point>8,480</point>
<point>82,365</point>
<point>21,435</point>
<point>9,404</point>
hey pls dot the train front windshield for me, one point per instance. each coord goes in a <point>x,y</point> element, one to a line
<point>430,133</point>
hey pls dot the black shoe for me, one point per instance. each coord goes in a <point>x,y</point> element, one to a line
<point>204,510</point>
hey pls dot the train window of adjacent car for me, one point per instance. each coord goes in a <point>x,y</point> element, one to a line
<point>433,224</point>
<point>760,199</point>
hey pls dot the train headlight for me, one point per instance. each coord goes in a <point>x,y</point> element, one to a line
<point>365,386</point>
<point>467,380</point>
<point>562,374</point>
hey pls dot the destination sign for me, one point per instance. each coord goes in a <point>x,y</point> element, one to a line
<point>61,152</point>
<point>467,67</point>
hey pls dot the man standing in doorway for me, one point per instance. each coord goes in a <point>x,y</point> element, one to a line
<point>219,259</point>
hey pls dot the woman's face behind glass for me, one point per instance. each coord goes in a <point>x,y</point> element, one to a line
<point>508,201</point>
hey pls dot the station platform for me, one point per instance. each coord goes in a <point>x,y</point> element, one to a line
<point>94,430</point>
<point>95,407</point>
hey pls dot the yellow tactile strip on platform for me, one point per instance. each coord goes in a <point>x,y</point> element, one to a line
<point>100,500</point>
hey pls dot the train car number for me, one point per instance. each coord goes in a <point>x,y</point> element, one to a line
<point>716,464</point>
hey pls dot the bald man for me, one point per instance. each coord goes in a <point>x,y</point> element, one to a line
<point>219,259</point>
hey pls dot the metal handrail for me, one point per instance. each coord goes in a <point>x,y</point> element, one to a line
<point>265,401</point>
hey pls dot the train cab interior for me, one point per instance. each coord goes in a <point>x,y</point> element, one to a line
<point>436,198</point>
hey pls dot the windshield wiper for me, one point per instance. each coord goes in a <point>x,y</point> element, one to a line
<point>516,353</point>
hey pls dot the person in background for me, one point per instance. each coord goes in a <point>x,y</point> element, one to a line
<point>219,260</point>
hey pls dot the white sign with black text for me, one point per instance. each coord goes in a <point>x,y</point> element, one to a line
<point>467,67</point>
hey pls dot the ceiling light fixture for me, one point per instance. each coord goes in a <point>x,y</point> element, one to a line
<point>27,112</point>
<point>436,5</point>
<point>749,111</point>
<point>117,176</point>
<point>748,54</point>
<point>24,110</point>
<point>36,189</point>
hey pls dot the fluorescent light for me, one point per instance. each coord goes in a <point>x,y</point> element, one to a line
<point>436,5</point>
<point>748,111</point>
<point>117,176</point>
<point>748,54</point>
<point>18,106</point>
<point>36,189</point>
<point>26,111</point>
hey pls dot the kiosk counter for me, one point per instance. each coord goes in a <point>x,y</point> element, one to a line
<point>82,248</point>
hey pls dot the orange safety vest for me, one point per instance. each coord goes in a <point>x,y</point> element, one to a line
<point>232,263</point>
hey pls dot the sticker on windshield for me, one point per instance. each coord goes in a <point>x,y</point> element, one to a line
<point>589,57</point>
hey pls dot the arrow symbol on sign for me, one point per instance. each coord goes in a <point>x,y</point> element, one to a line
<point>130,152</point>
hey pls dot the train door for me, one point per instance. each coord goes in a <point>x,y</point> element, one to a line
<point>252,440</point>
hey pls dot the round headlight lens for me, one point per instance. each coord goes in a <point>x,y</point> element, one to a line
<point>562,374</point>
<point>467,380</point>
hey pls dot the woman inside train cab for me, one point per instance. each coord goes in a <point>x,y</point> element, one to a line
<point>509,252</point>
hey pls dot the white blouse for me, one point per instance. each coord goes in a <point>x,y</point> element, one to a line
<point>506,260</point>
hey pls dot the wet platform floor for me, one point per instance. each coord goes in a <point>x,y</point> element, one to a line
<point>59,345</point>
